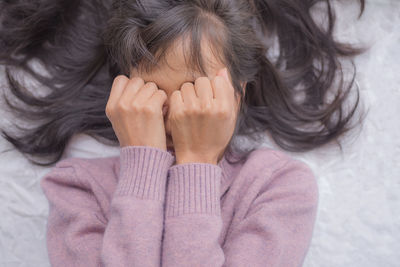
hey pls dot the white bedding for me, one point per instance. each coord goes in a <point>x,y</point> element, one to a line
<point>358,221</point>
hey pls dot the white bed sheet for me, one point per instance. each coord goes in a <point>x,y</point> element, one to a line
<point>358,221</point>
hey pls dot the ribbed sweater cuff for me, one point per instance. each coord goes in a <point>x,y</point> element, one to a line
<point>143,172</point>
<point>193,188</point>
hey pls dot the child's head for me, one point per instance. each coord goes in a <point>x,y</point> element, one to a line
<point>170,42</point>
<point>286,63</point>
<point>174,69</point>
<point>176,41</point>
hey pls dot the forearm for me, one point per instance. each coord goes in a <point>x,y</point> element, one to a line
<point>134,231</point>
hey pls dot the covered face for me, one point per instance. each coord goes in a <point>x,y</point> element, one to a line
<point>172,72</point>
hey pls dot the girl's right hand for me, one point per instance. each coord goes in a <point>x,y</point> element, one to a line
<point>135,111</point>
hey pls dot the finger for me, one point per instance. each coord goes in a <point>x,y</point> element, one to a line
<point>204,91</point>
<point>130,91</point>
<point>224,73</point>
<point>222,88</point>
<point>146,92</point>
<point>218,84</point>
<point>158,98</point>
<point>188,93</point>
<point>175,102</point>
<point>117,89</point>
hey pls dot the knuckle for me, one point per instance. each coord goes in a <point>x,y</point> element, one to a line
<point>189,110</point>
<point>108,111</point>
<point>148,109</point>
<point>222,113</point>
<point>186,85</point>
<point>178,115</point>
<point>136,108</point>
<point>208,111</point>
<point>122,107</point>
<point>194,110</point>
<point>162,93</point>
<point>152,85</point>
<point>137,81</point>
<point>206,107</point>
<point>201,79</point>
<point>120,78</point>
<point>175,93</point>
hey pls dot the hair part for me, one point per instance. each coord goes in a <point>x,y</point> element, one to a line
<point>146,48</point>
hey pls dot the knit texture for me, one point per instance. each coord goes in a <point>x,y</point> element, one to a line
<point>139,209</point>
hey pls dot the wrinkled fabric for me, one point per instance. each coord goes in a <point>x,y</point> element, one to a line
<point>139,209</point>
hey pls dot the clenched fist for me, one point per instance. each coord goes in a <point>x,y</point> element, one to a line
<point>135,111</point>
<point>203,118</point>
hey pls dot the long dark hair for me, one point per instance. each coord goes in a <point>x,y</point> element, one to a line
<point>84,45</point>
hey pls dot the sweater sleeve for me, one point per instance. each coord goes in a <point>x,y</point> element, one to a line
<point>276,230</point>
<point>76,234</point>
<point>193,220</point>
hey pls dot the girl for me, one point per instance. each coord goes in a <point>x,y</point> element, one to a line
<point>173,83</point>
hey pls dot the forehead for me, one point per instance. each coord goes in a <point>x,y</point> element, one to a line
<point>182,57</point>
<point>177,65</point>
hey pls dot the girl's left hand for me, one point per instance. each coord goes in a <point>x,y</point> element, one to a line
<point>203,118</point>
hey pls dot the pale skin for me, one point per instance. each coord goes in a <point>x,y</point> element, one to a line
<point>199,113</point>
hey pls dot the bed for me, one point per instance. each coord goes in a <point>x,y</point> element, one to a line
<point>358,220</point>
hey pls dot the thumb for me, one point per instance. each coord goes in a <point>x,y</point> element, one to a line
<point>224,73</point>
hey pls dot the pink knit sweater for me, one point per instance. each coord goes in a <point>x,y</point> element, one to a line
<point>139,209</point>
